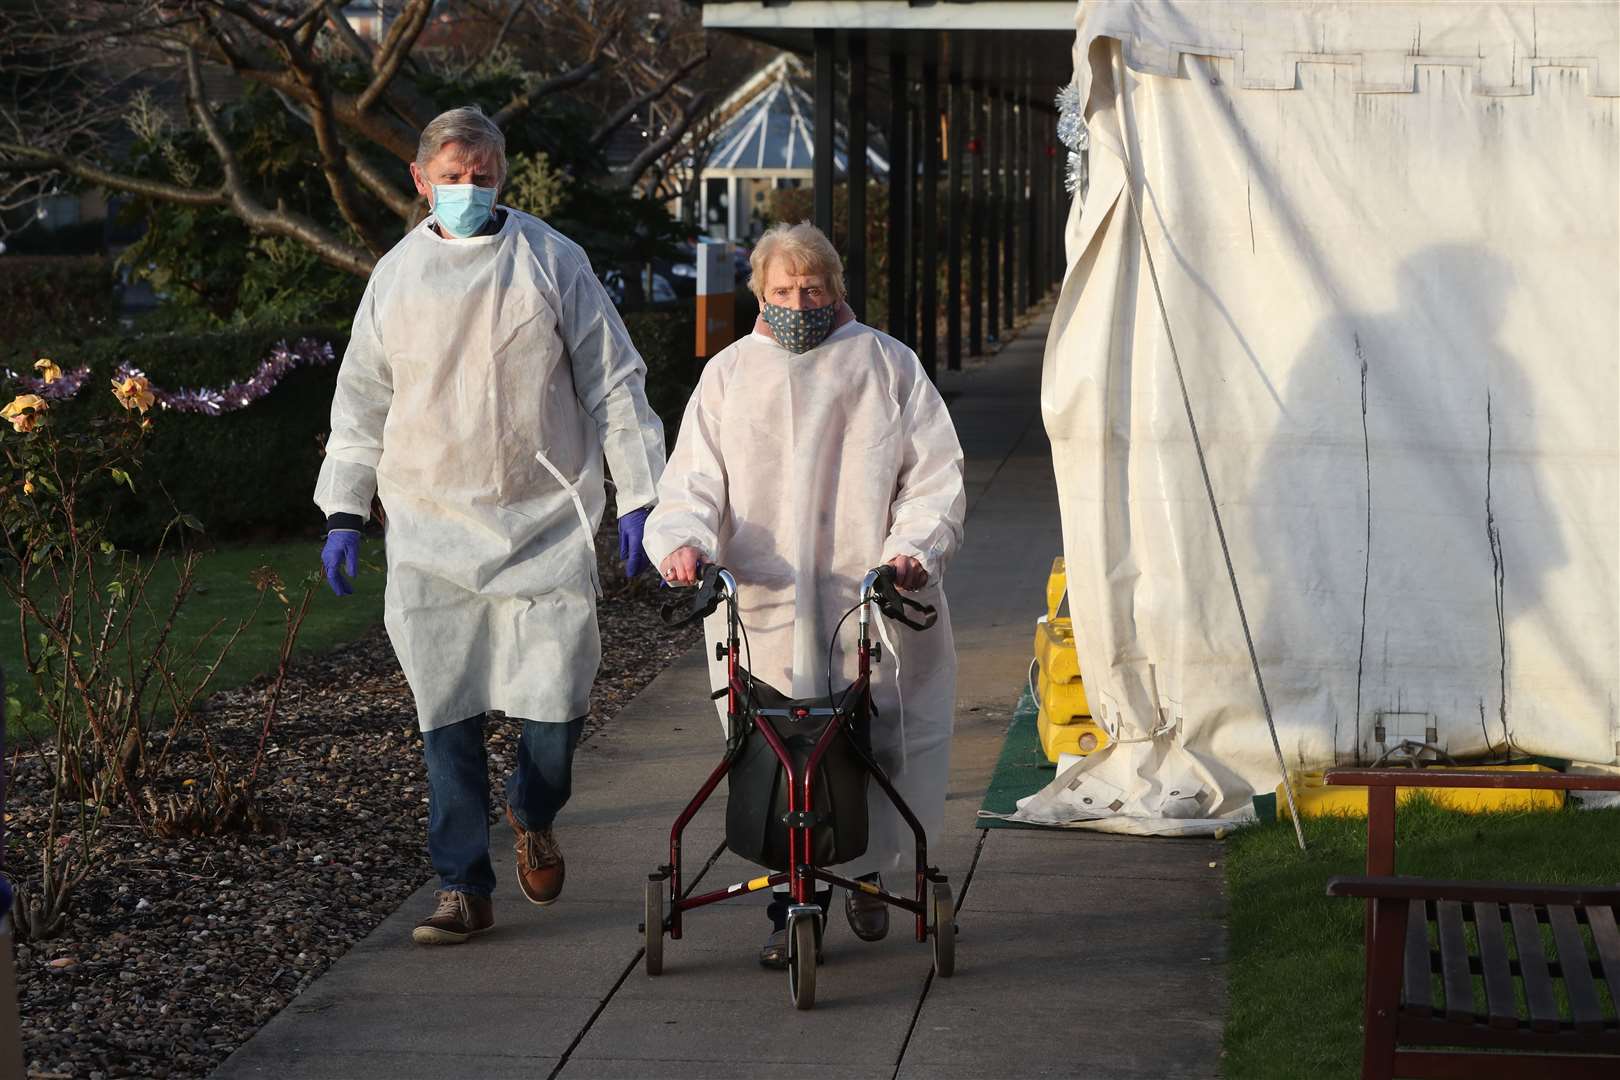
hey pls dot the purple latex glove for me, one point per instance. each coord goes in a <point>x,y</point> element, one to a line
<point>341,555</point>
<point>631,528</point>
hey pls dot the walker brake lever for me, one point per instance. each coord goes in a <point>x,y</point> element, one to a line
<point>690,603</point>
<point>894,604</point>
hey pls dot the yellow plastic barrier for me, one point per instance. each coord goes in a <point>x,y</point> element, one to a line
<point>1316,799</point>
<point>1054,650</point>
<point>1081,738</point>
<point>1065,703</point>
<point>1057,584</point>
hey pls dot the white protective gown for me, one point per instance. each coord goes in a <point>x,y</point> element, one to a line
<point>483,383</point>
<point>799,473</point>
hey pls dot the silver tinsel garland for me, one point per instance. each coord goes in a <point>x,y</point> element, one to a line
<point>307,352</point>
<point>1072,133</point>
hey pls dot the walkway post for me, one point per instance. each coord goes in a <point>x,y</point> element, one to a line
<point>826,73</point>
<point>954,148</point>
<point>913,157</point>
<point>929,218</point>
<point>1016,203</point>
<point>855,255</point>
<point>899,198</point>
<point>974,154</point>
<point>1010,204</point>
<point>1031,201</point>
<point>995,133</point>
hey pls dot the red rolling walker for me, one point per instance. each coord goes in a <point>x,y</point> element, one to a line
<point>812,814</point>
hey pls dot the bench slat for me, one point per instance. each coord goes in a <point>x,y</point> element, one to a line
<point>1584,1007</point>
<point>1419,991</point>
<point>1459,982</point>
<point>1538,988</point>
<point>1606,936</point>
<point>1500,1002</point>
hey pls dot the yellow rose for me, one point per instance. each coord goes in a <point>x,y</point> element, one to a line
<point>47,370</point>
<point>24,411</point>
<point>134,392</point>
<point>28,487</point>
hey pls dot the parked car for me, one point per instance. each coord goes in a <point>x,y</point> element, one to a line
<point>662,291</point>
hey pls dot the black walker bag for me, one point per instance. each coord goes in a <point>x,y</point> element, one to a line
<point>757,799</point>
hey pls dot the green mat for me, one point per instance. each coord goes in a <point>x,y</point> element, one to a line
<point>1021,770</point>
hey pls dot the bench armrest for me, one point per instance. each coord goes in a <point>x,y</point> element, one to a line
<point>1436,778</point>
<point>1474,892</point>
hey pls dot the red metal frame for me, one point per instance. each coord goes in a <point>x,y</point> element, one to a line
<point>802,873</point>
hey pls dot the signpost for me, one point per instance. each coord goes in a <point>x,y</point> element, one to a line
<point>716,298</point>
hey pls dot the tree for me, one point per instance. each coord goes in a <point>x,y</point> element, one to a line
<point>276,120</point>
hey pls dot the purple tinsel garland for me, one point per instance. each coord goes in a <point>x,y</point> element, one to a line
<point>307,352</point>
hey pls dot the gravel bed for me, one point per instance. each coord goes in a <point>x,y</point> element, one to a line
<point>181,948</point>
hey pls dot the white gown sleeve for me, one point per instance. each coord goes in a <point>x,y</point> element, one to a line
<point>365,389</point>
<point>610,379</point>
<point>692,494</point>
<point>930,500</point>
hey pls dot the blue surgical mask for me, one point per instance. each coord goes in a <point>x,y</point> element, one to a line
<point>462,209</point>
<point>798,330</point>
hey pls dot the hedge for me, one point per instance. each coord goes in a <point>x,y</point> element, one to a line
<point>65,296</point>
<point>249,474</point>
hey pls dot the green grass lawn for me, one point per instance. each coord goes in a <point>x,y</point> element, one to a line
<point>225,591</point>
<point>1296,965</point>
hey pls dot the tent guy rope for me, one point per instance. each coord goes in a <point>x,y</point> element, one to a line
<point>1214,507</point>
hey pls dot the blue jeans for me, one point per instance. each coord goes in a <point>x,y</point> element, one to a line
<point>458,793</point>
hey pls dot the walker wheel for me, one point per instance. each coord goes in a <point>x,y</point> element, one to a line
<point>802,961</point>
<point>654,928</point>
<point>944,931</point>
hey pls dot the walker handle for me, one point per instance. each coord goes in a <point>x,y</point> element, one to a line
<point>690,603</point>
<point>894,604</point>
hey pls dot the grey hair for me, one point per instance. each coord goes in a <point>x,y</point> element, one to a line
<point>806,250</point>
<point>468,126</point>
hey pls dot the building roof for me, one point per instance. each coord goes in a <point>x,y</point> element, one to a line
<point>775,130</point>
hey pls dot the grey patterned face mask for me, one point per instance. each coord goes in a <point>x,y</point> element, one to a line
<point>799,331</point>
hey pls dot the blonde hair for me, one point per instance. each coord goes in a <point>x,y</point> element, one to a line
<point>806,250</point>
<point>467,126</point>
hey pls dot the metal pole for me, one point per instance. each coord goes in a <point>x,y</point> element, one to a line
<point>1010,149</point>
<point>914,154</point>
<point>1027,165</point>
<point>975,163</point>
<point>899,196</point>
<point>953,243</point>
<point>995,133</point>
<point>929,218</point>
<point>855,246</point>
<point>826,72</point>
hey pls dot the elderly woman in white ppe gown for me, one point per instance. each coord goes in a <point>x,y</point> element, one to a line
<point>814,449</point>
<point>487,377</point>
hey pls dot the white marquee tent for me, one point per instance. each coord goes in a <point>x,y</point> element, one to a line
<point>1387,239</point>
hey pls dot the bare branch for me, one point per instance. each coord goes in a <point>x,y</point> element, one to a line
<point>656,149</point>
<point>517,8</point>
<point>347,34</point>
<point>523,102</point>
<point>396,48</point>
<point>629,108</point>
<point>28,158</point>
<point>406,206</point>
<point>278,222</point>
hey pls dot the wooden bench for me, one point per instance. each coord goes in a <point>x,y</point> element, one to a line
<point>1547,1011</point>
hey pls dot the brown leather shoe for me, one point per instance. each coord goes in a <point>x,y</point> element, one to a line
<point>539,862</point>
<point>458,917</point>
<point>868,916</point>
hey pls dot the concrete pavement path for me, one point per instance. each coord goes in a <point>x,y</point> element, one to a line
<point>1078,955</point>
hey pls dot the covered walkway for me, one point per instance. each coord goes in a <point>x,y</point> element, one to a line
<point>1078,955</point>
<point>963,92</point>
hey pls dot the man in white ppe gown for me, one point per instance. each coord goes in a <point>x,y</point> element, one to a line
<point>813,450</point>
<point>487,376</point>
